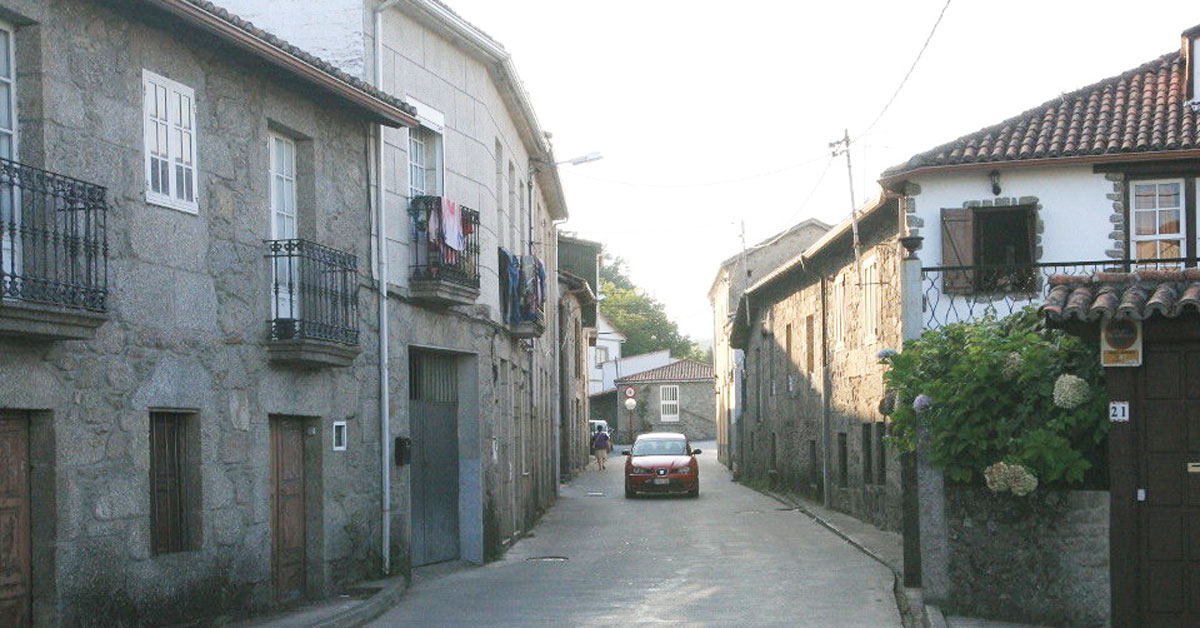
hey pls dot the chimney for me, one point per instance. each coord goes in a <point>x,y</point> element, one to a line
<point>1190,36</point>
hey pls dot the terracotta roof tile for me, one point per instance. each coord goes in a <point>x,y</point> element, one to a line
<point>1137,295</point>
<point>1142,110</point>
<point>678,371</point>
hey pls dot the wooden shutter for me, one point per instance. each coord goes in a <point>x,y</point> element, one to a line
<point>958,249</point>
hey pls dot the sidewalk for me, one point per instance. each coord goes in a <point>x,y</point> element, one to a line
<point>887,548</point>
<point>359,605</point>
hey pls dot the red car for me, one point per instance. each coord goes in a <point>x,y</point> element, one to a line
<point>662,463</point>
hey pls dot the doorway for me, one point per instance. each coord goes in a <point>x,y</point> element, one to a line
<point>14,521</point>
<point>433,411</point>
<point>288,510</point>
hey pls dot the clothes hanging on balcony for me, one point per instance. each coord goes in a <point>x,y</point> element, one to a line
<point>452,226</point>
<point>533,288</point>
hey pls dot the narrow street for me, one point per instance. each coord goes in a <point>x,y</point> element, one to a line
<point>733,557</point>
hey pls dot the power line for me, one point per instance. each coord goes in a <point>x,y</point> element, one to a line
<point>796,214</point>
<point>702,183</point>
<point>907,75</point>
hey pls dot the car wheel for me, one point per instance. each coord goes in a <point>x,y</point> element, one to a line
<point>628,493</point>
<point>694,492</point>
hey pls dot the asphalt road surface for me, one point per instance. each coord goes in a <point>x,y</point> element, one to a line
<point>732,557</point>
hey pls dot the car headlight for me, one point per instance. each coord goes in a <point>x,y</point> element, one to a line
<point>639,470</point>
<point>683,470</point>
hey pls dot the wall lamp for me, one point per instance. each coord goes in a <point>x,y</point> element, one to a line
<point>994,176</point>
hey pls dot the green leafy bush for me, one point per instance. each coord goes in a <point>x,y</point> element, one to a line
<point>991,398</point>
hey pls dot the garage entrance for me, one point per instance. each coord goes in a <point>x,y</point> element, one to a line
<point>433,411</point>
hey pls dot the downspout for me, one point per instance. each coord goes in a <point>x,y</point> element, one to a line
<point>385,427</point>
<point>826,389</point>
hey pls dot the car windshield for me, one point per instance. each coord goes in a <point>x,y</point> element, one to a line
<point>660,447</point>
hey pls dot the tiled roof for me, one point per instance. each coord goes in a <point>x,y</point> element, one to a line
<point>678,371</point>
<point>1137,295</point>
<point>309,59</point>
<point>1142,110</point>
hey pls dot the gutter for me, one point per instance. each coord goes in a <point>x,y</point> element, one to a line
<point>387,113</point>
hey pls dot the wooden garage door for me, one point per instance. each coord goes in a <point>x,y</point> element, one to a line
<point>287,507</point>
<point>14,520</point>
<point>1169,518</point>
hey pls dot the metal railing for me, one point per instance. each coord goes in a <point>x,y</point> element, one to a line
<point>960,293</point>
<point>314,292</point>
<point>433,259</point>
<point>53,238</point>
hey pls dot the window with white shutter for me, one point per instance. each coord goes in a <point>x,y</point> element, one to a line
<point>668,403</point>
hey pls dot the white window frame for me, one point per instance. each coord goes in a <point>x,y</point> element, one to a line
<point>601,355</point>
<point>666,401</point>
<point>870,299</point>
<point>11,249</point>
<point>340,436</point>
<point>429,142</point>
<point>285,224</point>
<point>176,127</point>
<point>1135,238</point>
<point>837,312</point>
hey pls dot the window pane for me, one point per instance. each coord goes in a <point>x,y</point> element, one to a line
<point>1143,196</point>
<point>1168,195</point>
<point>1168,221</point>
<point>1147,250</point>
<point>6,106</point>
<point>5,65</point>
<point>1144,223</point>
<point>1168,249</point>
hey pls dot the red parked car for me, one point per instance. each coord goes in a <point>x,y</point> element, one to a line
<point>662,463</point>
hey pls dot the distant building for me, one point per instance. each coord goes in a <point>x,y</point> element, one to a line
<point>677,397</point>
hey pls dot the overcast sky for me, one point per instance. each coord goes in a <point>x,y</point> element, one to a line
<point>714,114</point>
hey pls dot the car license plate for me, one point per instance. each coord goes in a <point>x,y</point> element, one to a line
<point>662,481</point>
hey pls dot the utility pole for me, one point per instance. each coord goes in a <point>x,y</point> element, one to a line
<point>842,147</point>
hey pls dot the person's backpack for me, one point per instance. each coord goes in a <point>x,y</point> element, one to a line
<point>600,441</point>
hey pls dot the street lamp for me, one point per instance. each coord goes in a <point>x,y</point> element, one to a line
<point>583,159</point>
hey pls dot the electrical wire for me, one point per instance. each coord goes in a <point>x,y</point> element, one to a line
<point>701,184</point>
<point>796,214</point>
<point>906,76</point>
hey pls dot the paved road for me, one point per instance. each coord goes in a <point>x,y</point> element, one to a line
<point>730,558</point>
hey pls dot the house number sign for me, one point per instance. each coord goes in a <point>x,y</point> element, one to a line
<point>1118,411</point>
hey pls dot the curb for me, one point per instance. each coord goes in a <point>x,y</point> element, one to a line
<point>369,610</point>
<point>910,616</point>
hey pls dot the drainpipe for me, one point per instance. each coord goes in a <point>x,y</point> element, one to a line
<point>385,427</point>
<point>826,401</point>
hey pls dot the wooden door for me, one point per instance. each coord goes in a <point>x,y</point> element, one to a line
<point>14,521</point>
<point>287,507</point>
<point>1169,466</point>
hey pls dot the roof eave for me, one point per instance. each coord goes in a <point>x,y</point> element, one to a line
<point>377,109</point>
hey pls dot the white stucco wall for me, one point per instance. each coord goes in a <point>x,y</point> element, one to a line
<point>609,338</point>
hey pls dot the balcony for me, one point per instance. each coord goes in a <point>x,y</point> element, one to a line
<point>523,297</point>
<point>442,275</point>
<point>314,305</point>
<point>53,254</point>
<point>960,293</point>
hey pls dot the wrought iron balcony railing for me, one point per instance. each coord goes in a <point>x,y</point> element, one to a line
<point>959,293</point>
<point>314,292</point>
<point>53,239</point>
<point>434,259</point>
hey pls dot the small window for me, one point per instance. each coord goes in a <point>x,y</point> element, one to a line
<point>809,345</point>
<point>867,443</point>
<point>837,312</point>
<point>880,434</point>
<point>171,497</point>
<point>601,355</point>
<point>991,249</point>
<point>1158,219</point>
<point>843,461</point>
<point>814,477</point>
<point>424,162</point>
<point>870,299</point>
<point>170,143</point>
<point>668,397</point>
<point>339,436</point>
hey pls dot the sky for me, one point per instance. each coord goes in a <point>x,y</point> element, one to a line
<point>715,118</point>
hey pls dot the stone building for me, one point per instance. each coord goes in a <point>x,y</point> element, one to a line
<point>471,349</point>
<point>578,277</point>
<point>810,330</point>
<point>735,275</point>
<point>188,380</point>
<point>677,397</point>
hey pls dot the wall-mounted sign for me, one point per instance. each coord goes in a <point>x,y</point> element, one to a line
<point>629,391</point>
<point>1121,343</point>
<point>1118,411</point>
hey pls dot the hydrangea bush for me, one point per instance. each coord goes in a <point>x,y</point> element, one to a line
<point>1002,390</point>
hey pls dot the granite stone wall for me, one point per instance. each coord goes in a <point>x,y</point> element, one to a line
<point>697,406</point>
<point>1041,559</point>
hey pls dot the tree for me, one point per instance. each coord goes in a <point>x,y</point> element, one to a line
<point>640,317</point>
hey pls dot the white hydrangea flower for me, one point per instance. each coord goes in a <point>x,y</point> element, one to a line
<point>1012,365</point>
<point>1070,391</point>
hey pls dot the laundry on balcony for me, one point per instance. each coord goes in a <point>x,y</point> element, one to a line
<point>522,287</point>
<point>445,244</point>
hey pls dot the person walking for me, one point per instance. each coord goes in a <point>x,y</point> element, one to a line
<point>600,447</point>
